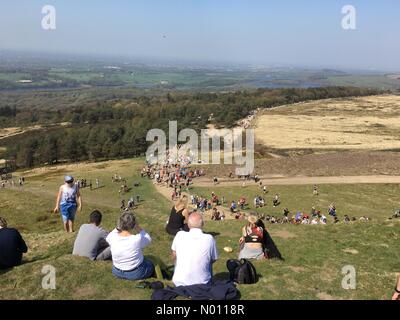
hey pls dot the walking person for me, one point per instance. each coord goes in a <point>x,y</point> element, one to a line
<point>69,201</point>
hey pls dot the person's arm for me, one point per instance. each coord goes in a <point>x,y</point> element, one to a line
<point>79,200</point>
<point>185,213</point>
<point>145,238</point>
<point>173,249</point>
<point>58,201</point>
<point>110,236</point>
<point>396,295</point>
<point>214,252</point>
<point>22,244</point>
<point>241,240</point>
<point>173,254</point>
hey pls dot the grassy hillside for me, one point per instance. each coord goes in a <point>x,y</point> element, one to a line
<point>314,255</point>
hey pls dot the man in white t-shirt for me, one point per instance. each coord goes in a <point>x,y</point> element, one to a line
<point>194,252</point>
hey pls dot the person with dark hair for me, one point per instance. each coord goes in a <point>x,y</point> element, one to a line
<point>12,246</point>
<point>91,240</point>
<point>271,251</point>
<point>127,241</point>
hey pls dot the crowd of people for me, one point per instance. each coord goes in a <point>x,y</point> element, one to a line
<point>10,182</point>
<point>193,251</point>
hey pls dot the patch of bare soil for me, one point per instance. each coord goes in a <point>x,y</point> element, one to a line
<point>345,163</point>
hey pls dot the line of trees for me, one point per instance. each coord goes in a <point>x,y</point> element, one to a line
<point>117,128</point>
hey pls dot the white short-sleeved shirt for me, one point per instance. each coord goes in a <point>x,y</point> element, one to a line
<point>195,251</point>
<point>127,251</point>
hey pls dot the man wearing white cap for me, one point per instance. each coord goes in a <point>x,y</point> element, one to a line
<point>68,201</point>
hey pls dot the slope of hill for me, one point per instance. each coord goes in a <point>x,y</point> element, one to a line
<point>366,123</point>
<point>315,255</point>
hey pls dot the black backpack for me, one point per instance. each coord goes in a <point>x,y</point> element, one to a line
<point>242,271</point>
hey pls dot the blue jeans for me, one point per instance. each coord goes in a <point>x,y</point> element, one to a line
<point>143,271</point>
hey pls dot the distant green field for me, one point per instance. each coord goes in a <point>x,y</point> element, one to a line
<point>376,81</point>
<point>77,76</point>
<point>14,76</point>
<point>182,77</point>
<point>315,255</point>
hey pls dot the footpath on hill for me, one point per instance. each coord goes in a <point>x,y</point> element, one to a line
<point>274,180</point>
<point>299,180</point>
<point>167,192</point>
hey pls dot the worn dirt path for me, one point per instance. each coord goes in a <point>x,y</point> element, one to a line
<point>167,192</point>
<point>299,180</point>
<point>276,180</point>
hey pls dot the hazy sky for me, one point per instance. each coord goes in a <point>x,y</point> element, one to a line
<point>291,32</point>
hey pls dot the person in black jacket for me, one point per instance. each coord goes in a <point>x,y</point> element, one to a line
<point>270,248</point>
<point>12,246</point>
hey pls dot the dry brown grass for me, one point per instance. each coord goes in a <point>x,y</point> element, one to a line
<point>367,123</point>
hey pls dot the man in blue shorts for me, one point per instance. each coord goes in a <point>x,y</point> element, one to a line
<point>68,201</point>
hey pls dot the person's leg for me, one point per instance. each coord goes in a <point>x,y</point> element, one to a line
<point>105,254</point>
<point>147,268</point>
<point>71,217</point>
<point>64,216</point>
<point>143,271</point>
<point>70,226</point>
<point>65,224</point>
<point>118,273</point>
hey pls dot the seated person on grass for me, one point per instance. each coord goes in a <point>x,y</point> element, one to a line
<point>194,252</point>
<point>12,246</point>
<point>251,241</point>
<point>91,240</point>
<point>217,215</point>
<point>127,241</point>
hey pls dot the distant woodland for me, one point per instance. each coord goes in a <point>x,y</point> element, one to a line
<point>98,127</point>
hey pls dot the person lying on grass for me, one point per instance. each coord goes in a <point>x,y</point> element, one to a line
<point>126,242</point>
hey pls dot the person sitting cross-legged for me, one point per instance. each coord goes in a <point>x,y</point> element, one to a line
<point>90,241</point>
<point>194,252</point>
<point>12,246</point>
<point>127,242</point>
